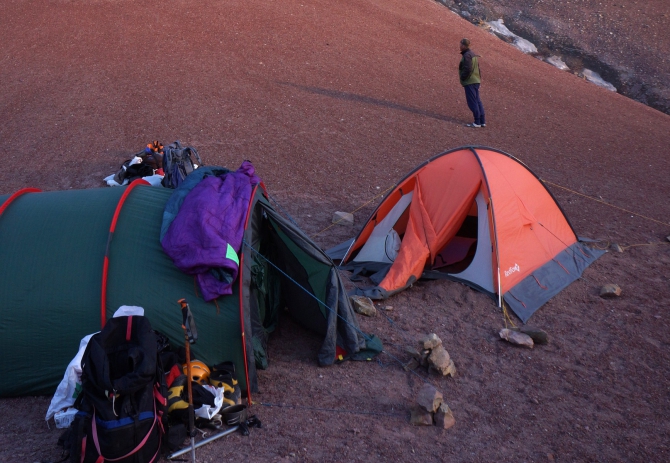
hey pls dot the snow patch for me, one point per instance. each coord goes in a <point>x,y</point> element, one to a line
<point>557,62</point>
<point>498,27</point>
<point>595,78</point>
<point>524,45</point>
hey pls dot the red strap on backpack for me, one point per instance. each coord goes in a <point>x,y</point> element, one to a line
<point>83,450</point>
<point>129,327</point>
<point>101,459</point>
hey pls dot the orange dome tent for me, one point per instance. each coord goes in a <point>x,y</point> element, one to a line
<point>475,215</point>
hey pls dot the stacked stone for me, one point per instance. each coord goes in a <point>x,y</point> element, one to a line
<point>430,409</point>
<point>431,355</point>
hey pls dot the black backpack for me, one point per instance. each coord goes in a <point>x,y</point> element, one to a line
<point>122,408</point>
<point>178,162</point>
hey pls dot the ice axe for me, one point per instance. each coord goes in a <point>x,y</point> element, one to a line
<point>190,337</point>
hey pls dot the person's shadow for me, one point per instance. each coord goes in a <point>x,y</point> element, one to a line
<point>372,101</point>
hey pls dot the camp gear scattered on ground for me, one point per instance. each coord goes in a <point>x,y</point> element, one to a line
<point>223,375</point>
<point>474,215</point>
<point>199,371</point>
<point>222,379</point>
<point>279,267</point>
<point>225,368</point>
<point>153,155</point>
<point>178,162</point>
<point>190,337</point>
<point>176,436</point>
<point>145,164</point>
<point>250,422</point>
<point>207,400</point>
<point>233,397</point>
<point>132,169</point>
<point>203,442</point>
<point>234,415</point>
<point>177,397</point>
<point>122,407</point>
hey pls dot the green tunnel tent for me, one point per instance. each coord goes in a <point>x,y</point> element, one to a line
<point>56,246</point>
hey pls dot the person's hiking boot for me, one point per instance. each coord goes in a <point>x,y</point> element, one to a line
<point>473,125</point>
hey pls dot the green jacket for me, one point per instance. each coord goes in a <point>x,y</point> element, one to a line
<point>468,68</point>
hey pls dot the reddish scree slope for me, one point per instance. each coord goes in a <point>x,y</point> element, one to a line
<point>334,102</point>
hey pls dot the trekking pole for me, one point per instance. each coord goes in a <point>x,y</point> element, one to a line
<point>190,337</point>
<point>203,442</point>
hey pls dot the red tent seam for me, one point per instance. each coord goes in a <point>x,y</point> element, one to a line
<point>105,265</point>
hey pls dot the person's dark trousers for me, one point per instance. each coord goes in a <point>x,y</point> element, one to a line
<point>475,103</point>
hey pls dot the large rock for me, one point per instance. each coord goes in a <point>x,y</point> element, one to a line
<point>429,398</point>
<point>610,290</point>
<point>430,341</point>
<point>444,418</point>
<point>516,338</point>
<point>343,218</point>
<point>440,360</point>
<point>420,417</point>
<point>537,335</point>
<point>363,305</point>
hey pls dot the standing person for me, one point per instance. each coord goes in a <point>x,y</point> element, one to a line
<point>471,78</point>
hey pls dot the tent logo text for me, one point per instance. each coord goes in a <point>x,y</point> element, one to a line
<point>511,270</point>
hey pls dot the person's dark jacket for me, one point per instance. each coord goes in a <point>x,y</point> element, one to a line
<point>468,68</point>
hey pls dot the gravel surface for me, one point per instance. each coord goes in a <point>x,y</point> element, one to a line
<point>334,103</point>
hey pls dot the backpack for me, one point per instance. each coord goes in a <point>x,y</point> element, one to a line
<point>178,163</point>
<point>122,408</point>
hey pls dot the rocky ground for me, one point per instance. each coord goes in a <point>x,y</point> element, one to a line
<point>334,103</point>
<point>624,41</point>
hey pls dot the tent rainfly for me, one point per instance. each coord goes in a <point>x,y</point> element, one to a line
<point>474,215</point>
<point>69,259</point>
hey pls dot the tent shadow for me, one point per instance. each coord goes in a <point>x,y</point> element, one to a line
<point>348,96</point>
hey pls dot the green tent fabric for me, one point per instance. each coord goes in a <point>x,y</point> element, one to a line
<point>52,257</point>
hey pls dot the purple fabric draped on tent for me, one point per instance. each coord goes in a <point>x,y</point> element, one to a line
<point>205,237</point>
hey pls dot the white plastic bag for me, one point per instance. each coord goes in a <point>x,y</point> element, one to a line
<point>207,411</point>
<point>70,385</point>
<point>64,418</point>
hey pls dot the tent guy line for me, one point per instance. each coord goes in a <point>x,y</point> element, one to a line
<point>331,410</point>
<point>542,179</point>
<point>366,336</point>
<point>605,203</point>
<point>288,216</point>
